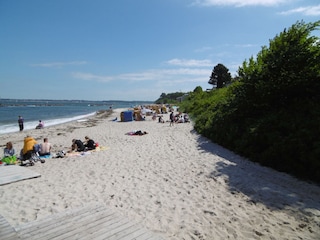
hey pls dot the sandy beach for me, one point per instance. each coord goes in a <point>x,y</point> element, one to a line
<point>171,180</point>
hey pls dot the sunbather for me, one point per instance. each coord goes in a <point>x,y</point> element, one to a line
<point>89,144</point>
<point>77,145</point>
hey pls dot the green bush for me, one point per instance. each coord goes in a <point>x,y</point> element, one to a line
<point>271,115</point>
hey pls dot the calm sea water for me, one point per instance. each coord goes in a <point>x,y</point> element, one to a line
<point>51,112</point>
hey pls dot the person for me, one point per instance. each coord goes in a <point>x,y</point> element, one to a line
<point>77,145</point>
<point>180,119</point>
<point>140,133</point>
<point>20,122</point>
<point>171,119</point>
<point>28,147</point>
<point>186,118</point>
<point>89,144</point>
<point>45,147</point>
<point>160,119</point>
<point>40,125</point>
<point>154,116</point>
<point>8,150</point>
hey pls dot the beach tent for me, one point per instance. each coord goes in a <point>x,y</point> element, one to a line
<point>126,116</point>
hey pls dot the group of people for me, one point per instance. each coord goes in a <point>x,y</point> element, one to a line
<point>178,118</point>
<point>79,146</point>
<point>21,124</point>
<point>30,146</point>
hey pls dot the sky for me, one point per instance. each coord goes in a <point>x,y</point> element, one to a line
<point>132,50</point>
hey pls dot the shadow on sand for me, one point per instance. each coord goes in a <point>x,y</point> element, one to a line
<point>276,190</point>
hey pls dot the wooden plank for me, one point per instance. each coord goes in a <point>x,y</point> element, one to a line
<point>85,229</point>
<point>81,228</point>
<point>14,173</point>
<point>134,231</point>
<point>54,219</point>
<point>58,223</point>
<point>137,234</point>
<point>91,222</point>
<point>7,232</point>
<point>106,231</point>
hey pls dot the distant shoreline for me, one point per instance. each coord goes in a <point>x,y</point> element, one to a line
<point>52,112</point>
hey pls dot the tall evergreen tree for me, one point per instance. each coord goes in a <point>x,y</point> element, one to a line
<point>220,76</point>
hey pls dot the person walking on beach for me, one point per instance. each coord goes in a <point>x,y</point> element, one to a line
<point>20,122</point>
<point>171,119</point>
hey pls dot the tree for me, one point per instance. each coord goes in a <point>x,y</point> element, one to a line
<point>163,95</point>
<point>271,113</point>
<point>220,76</point>
<point>198,89</point>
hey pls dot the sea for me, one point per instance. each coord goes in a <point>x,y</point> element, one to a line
<point>52,112</point>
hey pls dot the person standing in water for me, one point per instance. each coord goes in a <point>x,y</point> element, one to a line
<point>20,122</point>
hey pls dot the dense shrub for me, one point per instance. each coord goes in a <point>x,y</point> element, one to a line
<point>272,113</point>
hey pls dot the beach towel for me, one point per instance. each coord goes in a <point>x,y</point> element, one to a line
<point>99,148</point>
<point>81,154</point>
<point>78,154</point>
<point>9,160</point>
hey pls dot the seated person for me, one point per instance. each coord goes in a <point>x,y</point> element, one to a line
<point>8,150</point>
<point>77,145</point>
<point>181,119</point>
<point>89,143</point>
<point>40,125</point>
<point>28,147</point>
<point>161,119</point>
<point>186,118</point>
<point>45,147</point>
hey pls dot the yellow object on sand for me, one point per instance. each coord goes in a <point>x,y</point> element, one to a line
<point>100,148</point>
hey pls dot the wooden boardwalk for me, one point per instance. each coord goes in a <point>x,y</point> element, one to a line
<point>6,231</point>
<point>91,222</point>
<point>14,173</point>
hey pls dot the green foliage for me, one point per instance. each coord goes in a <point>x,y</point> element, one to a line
<point>220,76</point>
<point>271,114</point>
<point>169,98</point>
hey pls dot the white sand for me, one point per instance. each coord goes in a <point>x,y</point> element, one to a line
<point>172,180</point>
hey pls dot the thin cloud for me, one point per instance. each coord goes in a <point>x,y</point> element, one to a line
<point>190,62</point>
<point>58,64</point>
<point>91,77</point>
<point>238,3</point>
<point>204,49</point>
<point>246,45</point>
<point>159,75</point>
<point>307,11</point>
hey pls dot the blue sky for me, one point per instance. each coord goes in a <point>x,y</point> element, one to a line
<point>132,49</point>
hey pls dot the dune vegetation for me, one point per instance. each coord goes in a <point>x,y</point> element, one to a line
<point>270,112</point>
